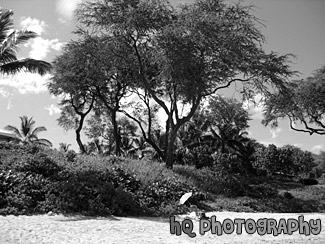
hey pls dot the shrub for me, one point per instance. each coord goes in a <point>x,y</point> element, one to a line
<point>287,160</point>
<point>83,193</point>
<point>70,155</point>
<point>38,164</point>
<point>38,180</point>
<point>21,192</point>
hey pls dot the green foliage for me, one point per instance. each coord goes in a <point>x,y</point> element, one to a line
<point>70,155</point>
<point>287,160</point>
<point>302,101</point>
<point>213,181</point>
<point>39,180</point>
<point>44,180</point>
<point>21,191</point>
<point>174,56</point>
<point>217,132</point>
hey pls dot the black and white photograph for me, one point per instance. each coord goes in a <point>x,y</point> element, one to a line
<point>162,121</point>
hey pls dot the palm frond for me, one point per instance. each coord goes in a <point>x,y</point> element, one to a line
<point>7,56</point>
<point>26,125</point>
<point>16,38</point>
<point>22,36</point>
<point>14,130</point>
<point>38,130</point>
<point>43,142</point>
<point>6,23</point>
<point>29,65</point>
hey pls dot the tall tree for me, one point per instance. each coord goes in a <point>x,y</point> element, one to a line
<point>71,80</point>
<point>95,73</point>
<point>303,102</point>
<point>228,123</point>
<point>10,39</point>
<point>74,112</point>
<point>184,55</point>
<point>28,133</point>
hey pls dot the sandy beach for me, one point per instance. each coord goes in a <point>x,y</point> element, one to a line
<point>81,229</point>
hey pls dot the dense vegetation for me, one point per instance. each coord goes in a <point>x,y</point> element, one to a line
<point>35,179</point>
<point>156,59</point>
<point>167,59</point>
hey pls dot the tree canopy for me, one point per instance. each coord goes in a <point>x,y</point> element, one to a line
<point>302,102</point>
<point>179,56</point>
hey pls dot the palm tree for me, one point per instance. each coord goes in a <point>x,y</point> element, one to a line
<point>9,41</point>
<point>27,133</point>
<point>64,147</point>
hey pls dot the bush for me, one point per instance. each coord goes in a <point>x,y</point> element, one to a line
<point>70,155</point>
<point>287,160</point>
<point>38,180</point>
<point>21,192</point>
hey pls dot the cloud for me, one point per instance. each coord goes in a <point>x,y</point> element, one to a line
<point>275,131</point>
<point>318,148</point>
<point>5,94</point>
<point>53,109</point>
<point>255,107</point>
<point>24,83</point>
<point>28,23</point>
<point>40,47</point>
<point>66,9</point>
<point>8,95</point>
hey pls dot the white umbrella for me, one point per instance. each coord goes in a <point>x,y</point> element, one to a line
<point>185,197</point>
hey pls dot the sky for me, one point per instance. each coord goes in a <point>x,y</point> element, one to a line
<point>291,26</point>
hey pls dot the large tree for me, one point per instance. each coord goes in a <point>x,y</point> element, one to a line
<point>302,102</point>
<point>10,39</point>
<point>28,133</point>
<point>186,54</point>
<point>70,81</point>
<point>94,74</point>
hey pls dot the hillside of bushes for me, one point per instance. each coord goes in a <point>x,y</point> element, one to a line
<point>36,180</point>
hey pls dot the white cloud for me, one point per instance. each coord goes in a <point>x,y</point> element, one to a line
<point>66,9</point>
<point>24,83</point>
<point>4,93</point>
<point>275,132</point>
<point>41,47</point>
<point>255,108</point>
<point>318,148</point>
<point>8,95</point>
<point>31,24</point>
<point>53,109</point>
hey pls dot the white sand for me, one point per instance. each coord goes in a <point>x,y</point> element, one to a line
<point>80,229</point>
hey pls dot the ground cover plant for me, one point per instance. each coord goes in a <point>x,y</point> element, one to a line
<point>35,179</point>
<point>38,180</point>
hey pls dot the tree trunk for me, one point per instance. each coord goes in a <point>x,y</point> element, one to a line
<point>170,148</point>
<point>116,134</point>
<point>78,137</point>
